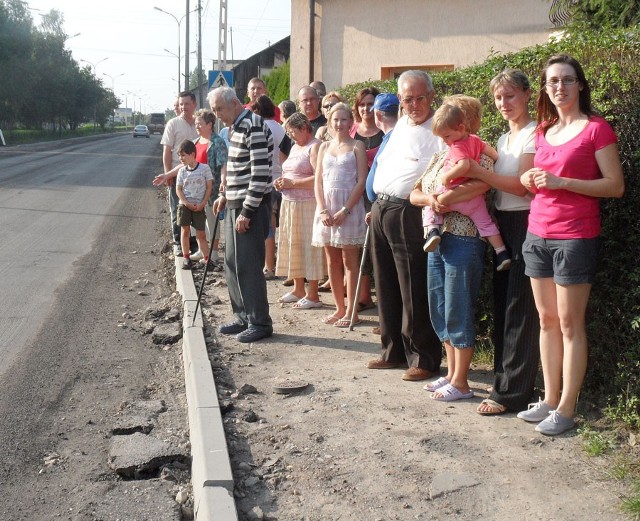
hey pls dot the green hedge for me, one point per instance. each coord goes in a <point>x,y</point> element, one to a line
<point>611,59</point>
<point>278,83</point>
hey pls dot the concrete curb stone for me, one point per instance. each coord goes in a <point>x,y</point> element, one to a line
<point>211,473</point>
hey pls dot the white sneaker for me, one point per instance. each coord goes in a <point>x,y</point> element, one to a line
<point>177,250</point>
<point>197,256</point>
<point>536,412</point>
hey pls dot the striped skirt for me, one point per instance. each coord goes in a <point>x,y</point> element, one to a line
<point>296,257</point>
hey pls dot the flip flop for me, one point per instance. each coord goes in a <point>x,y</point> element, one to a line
<point>305,303</point>
<point>436,384</point>
<point>492,408</point>
<point>331,319</point>
<point>288,298</point>
<point>449,393</point>
<point>363,307</point>
<point>345,322</point>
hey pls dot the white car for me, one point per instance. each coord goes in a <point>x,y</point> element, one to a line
<point>141,130</point>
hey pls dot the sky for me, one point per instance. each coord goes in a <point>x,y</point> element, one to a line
<point>132,35</point>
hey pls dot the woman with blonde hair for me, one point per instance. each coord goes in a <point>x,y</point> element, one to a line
<point>328,101</point>
<point>339,225</point>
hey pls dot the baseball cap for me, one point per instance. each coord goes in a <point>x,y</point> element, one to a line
<point>386,102</point>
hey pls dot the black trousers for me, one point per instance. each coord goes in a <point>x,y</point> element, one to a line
<point>400,271</point>
<point>517,326</point>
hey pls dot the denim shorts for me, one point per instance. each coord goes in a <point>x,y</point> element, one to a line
<point>568,261</point>
<point>454,276</point>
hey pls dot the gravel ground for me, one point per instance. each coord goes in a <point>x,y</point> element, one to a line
<point>359,444</point>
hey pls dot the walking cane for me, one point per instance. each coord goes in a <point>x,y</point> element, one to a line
<point>362,261</point>
<point>206,267</point>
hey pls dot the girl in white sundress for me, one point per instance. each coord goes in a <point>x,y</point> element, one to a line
<point>339,224</point>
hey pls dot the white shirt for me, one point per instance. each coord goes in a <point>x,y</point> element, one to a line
<point>277,130</point>
<point>508,164</point>
<point>405,158</point>
<point>175,132</point>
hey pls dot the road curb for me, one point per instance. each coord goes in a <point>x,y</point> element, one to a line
<point>211,473</point>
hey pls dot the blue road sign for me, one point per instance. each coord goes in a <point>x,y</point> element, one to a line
<point>220,79</point>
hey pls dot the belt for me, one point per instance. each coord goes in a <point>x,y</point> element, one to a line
<point>393,199</point>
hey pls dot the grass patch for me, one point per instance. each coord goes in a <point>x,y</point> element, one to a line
<point>596,443</point>
<point>631,504</point>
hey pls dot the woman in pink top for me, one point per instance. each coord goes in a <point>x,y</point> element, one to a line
<point>576,163</point>
<point>297,258</point>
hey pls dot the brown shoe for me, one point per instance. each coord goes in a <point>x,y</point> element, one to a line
<point>379,363</point>
<point>288,283</point>
<point>376,331</point>
<point>415,374</point>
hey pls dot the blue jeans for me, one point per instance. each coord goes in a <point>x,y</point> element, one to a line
<point>454,276</point>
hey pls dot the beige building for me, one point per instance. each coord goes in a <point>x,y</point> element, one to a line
<point>357,40</point>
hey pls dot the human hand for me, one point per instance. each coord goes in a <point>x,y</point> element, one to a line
<point>219,204</point>
<point>437,206</point>
<point>543,179</point>
<point>527,179</point>
<point>326,218</point>
<point>242,224</point>
<point>159,180</point>
<point>282,184</point>
<point>339,217</point>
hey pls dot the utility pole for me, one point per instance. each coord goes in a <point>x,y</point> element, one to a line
<point>222,37</point>
<point>200,78</point>
<point>186,50</point>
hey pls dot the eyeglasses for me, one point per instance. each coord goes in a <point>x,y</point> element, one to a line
<point>566,81</point>
<point>308,100</point>
<point>328,106</point>
<point>411,101</point>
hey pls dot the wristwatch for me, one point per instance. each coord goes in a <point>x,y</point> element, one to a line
<point>346,210</point>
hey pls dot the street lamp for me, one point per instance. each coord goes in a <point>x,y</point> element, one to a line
<point>69,37</point>
<point>174,54</point>
<point>113,89</point>
<point>178,55</point>
<point>94,65</point>
<point>133,114</point>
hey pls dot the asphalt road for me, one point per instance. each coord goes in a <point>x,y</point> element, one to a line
<point>53,199</point>
<point>81,227</point>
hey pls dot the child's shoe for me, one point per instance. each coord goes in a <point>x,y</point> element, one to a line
<point>503,261</point>
<point>188,264</point>
<point>433,239</point>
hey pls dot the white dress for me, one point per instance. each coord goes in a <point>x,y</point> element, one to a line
<point>339,177</point>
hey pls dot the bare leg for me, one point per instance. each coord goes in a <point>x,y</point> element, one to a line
<point>312,291</point>
<point>365,291</point>
<point>351,260</point>
<point>451,360</point>
<point>336,278</point>
<point>201,237</point>
<point>298,287</point>
<point>460,378</point>
<point>572,306</point>
<point>185,234</point>
<point>551,345</point>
